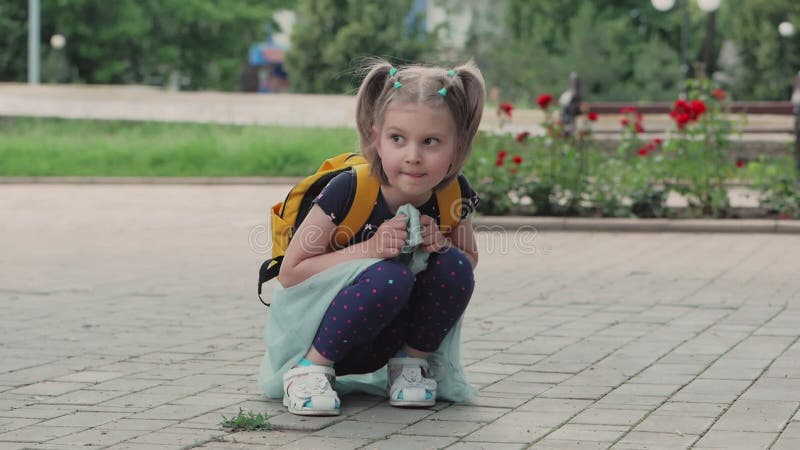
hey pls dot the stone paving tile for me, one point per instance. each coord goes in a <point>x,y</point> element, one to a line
<point>561,444</point>
<point>757,415</point>
<point>586,432</point>
<point>734,440</point>
<point>656,423</point>
<point>83,419</point>
<point>638,440</point>
<point>502,433</point>
<point>88,376</point>
<point>332,443</point>
<point>391,414</point>
<point>607,416</point>
<point>576,392</point>
<point>485,446</point>
<point>137,424</point>
<point>498,400</point>
<point>441,428</point>
<point>48,388</point>
<point>572,406</point>
<point>83,397</point>
<point>272,438</point>
<point>97,437</point>
<point>786,443</point>
<point>773,389</point>
<point>469,413</point>
<point>692,409</point>
<point>37,433</point>
<point>361,430</point>
<point>411,443</point>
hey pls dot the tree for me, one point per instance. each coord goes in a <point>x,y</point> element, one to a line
<point>13,40</point>
<point>332,36</point>
<point>769,61</point>
<point>145,41</point>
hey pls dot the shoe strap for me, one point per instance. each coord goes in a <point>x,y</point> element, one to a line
<point>409,362</point>
<point>307,370</point>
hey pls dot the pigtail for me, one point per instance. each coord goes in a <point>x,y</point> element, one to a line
<point>468,93</point>
<point>475,93</point>
<point>377,72</point>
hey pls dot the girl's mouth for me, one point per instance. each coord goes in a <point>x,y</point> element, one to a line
<point>414,175</point>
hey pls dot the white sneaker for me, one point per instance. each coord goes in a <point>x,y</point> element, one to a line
<point>307,391</point>
<point>408,385</point>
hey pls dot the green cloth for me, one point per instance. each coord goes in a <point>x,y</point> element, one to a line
<point>298,310</point>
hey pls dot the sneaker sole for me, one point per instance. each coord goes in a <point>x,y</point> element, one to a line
<point>403,403</point>
<point>313,412</point>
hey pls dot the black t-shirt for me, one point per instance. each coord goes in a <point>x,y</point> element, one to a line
<point>335,197</point>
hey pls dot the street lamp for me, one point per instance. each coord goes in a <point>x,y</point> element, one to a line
<point>57,41</point>
<point>666,5</point>
<point>710,7</point>
<point>663,5</point>
<point>786,31</point>
<point>33,41</point>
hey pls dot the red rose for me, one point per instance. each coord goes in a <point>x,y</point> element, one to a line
<point>522,136</point>
<point>657,141</point>
<point>517,159</point>
<point>627,109</point>
<point>719,94</point>
<point>544,100</point>
<point>502,154</point>
<point>643,151</point>
<point>681,105</point>
<point>698,107</point>
<point>505,108</point>
<point>639,127</point>
<point>498,162</point>
<point>624,122</point>
<point>592,116</point>
<point>740,163</point>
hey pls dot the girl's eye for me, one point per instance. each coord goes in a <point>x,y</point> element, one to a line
<point>431,141</point>
<point>397,139</point>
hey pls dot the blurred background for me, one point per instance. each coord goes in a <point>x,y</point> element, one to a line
<point>622,49</point>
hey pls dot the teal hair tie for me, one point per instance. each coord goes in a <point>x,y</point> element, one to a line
<point>451,72</point>
<point>392,71</point>
<point>442,91</point>
<point>398,85</point>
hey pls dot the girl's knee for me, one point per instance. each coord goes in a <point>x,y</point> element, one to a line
<point>391,280</point>
<point>454,262</point>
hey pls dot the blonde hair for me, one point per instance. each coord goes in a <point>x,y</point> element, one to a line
<point>420,84</point>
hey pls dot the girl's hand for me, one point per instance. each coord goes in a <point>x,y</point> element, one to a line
<point>432,239</point>
<point>389,239</point>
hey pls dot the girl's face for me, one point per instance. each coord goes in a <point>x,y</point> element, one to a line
<point>416,144</point>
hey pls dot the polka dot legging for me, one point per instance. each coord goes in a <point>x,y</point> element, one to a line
<point>386,306</point>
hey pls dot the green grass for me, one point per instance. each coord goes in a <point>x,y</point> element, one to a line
<point>60,147</point>
<point>246,421</point>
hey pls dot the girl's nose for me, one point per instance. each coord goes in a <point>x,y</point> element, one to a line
<point>412,156</point>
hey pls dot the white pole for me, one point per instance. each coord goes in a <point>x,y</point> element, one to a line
<point>33,41</point>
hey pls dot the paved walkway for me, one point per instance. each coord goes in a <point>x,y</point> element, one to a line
<point>129,320</point>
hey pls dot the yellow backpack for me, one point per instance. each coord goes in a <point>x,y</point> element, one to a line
<point>287,215</point>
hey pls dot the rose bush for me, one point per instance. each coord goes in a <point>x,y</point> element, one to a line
<point>552,172</point>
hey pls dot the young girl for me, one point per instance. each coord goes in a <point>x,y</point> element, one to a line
<point>416,126</point>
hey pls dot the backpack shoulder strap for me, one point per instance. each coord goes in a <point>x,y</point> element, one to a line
<point>450,204</point>
<point>366,192</point>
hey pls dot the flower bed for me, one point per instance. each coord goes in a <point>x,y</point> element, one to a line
<point>565,174</point>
